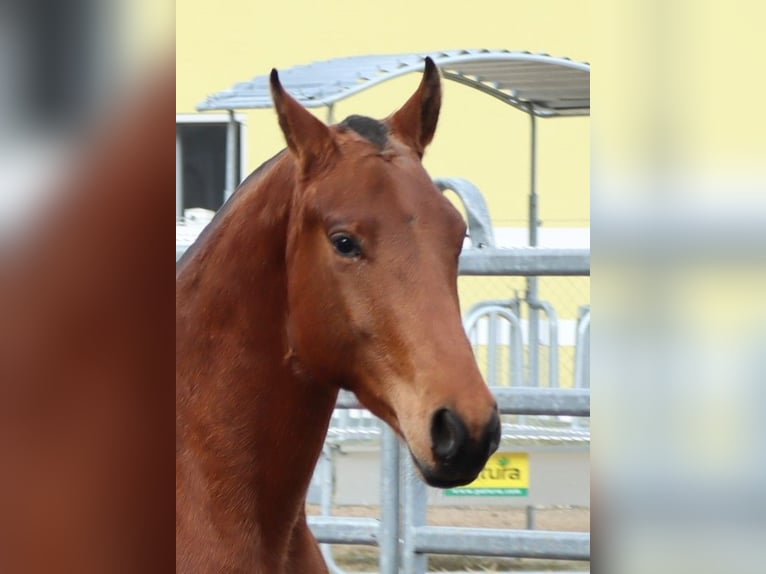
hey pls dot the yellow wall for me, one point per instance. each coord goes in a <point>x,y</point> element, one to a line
<point>220,43</point>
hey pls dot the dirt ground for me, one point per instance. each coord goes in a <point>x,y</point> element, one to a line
<point>365,559</point>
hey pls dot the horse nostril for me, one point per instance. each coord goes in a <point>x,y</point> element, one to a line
<point>494,432</point>
<point>448,434</point>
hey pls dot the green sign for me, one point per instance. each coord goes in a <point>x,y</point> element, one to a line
<point>506,474</point>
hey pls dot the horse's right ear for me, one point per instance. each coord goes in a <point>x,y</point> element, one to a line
<point>307,137</point>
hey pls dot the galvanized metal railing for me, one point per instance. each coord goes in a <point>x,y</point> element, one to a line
<point>493,311</point>
<point>420,539</point>
<point>582,350</point>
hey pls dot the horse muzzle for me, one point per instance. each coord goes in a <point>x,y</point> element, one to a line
<point>458,457</point>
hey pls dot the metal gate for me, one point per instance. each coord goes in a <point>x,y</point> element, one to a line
<point>403,514</point>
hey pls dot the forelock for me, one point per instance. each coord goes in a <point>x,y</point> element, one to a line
<point>370,129</point>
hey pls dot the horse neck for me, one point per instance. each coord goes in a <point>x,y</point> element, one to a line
<point>250,426</point>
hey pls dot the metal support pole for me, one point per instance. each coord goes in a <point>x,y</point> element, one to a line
<point>582,352</point>
<point>389,502</point>
<point>415,495</point>
<point>524,261</point>
<point>533,335</point>
<point>231,157</point>
<point>516,349</point>
<point>492,354</point>
<point>531,518</point>
<point>521,401</point>
<point>497,542</point>
<point>495,310</point>
<point>582,356</point>
<point>179,175</point>
<point>326,478</point>
<point>330,114</point>
<point>553,339</point>
<point>533,215</point>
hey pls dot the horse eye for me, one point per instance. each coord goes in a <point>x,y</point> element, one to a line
<point>346,245</point>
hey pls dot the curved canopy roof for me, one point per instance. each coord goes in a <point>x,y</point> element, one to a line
<point>540,84</point>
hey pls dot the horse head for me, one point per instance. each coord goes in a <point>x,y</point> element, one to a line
<point>371,254</point>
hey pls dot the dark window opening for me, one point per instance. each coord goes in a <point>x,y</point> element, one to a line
<point>203,161</point>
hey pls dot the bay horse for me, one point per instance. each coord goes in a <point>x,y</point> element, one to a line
<point>333,266</point>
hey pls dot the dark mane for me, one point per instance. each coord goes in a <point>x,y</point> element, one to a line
<point>370,129</point>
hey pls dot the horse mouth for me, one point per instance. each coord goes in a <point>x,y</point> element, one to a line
<point>437,482</point>
<point>444,478</point>
<point>456,458</point>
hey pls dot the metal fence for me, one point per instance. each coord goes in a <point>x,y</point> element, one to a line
<point>403,514</point>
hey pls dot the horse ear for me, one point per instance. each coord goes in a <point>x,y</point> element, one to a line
<point>415,122</point>
<point>307,137</point>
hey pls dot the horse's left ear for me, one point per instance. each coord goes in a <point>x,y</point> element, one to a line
<point>415,122</point>
<point>307,137</point>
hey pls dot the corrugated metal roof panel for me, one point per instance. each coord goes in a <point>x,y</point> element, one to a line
<point>538,83</point>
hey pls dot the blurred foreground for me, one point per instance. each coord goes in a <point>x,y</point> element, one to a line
<point>86,292</point>
<point>678,284</point>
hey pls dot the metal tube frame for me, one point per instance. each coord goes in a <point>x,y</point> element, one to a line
<point>583,331</point>
<point>553,339</point>
<point>345,530</point>
<point>179,175</point>
<point>519,401</point>
<point>231,155</point>
<point>496,542</point>
<point>491,348</point>
<point>533,339</point>
<point>414,561</point>
<point>502,309</point>
<point>582,348</point>
<point>325,503</point>
<point>524,261</point>
<point>419,538</point>
<point>389,502</point>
